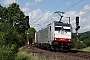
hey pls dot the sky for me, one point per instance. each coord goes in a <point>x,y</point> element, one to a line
<point>42,12</point>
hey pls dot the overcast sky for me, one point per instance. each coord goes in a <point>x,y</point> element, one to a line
<point>41,12</point>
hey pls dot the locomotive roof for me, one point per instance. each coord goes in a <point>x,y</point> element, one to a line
<point>57,22</point>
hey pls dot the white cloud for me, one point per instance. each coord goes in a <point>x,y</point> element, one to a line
<point>87,27</point>
<point>33,3</point>
<point>42,18</point>
<point>78,0</point>
<point>6,2</point>
<point>27,4</point>
<point>84,18</point>
<point>38,1</point>
<point>25,10</point>
<point>81,12</point>
<point>39,19</point>
<point>85,10</point>
<point>38,15</point>
<point>26,7</point>
<point>84,21</point>
<point>86,7</point>
<point>67,3</point>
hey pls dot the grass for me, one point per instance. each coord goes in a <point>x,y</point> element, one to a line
<point>86,49</point>
<point>24,54</point>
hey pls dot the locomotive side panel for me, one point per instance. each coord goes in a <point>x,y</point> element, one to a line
<point>51,33</point>
<point>44,35</point>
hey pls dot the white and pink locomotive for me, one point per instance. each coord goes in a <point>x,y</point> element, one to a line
<point>56,36</point>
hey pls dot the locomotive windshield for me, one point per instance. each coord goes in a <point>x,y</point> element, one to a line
<point>58,28</point>
<point>66,28</point>
<point>63,27</point>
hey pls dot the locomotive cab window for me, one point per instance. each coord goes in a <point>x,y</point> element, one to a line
<point>58,28</point>
<point>50,28</point>
<point>62,26</point>
<point>66,28</point>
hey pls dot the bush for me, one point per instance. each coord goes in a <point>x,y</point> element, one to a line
<point>7,52</point>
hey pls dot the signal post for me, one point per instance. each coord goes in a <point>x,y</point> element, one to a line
<point>27,26</point>
<point>77,28</point>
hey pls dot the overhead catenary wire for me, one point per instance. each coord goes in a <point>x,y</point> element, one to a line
<point>48,14</point>
<point>73,5</point>
<point>69,8</point>
<point>57,7</point>
<point>83,10</point>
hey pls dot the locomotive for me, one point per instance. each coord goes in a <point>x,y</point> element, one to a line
<point>55,36</point>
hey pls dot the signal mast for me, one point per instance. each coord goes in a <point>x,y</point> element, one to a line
<point>77,28</point>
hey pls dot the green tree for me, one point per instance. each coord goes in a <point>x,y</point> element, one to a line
<point>1,11</point>
<point>86,39</point>
<point>14,17</point>
<point>74,40</point>
<point>17,20</point>
<point>12,30</point>
<point>8,42</point>
<point>31,32</point>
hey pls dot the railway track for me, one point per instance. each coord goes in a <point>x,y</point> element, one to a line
<point>70,55</point>
<point>80,54</point>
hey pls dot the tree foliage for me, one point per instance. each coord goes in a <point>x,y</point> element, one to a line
<point>12,30</point>
<point>83,39</point>
<point>31,32</point>
<point>14,17</point>
<point>9,40</point>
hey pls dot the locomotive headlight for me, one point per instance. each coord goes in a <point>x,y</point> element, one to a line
<point>55,39</point>
<point>69,40</point>
<point>61,39</point>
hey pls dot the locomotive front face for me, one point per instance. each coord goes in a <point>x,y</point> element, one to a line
<point>62,32</point>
